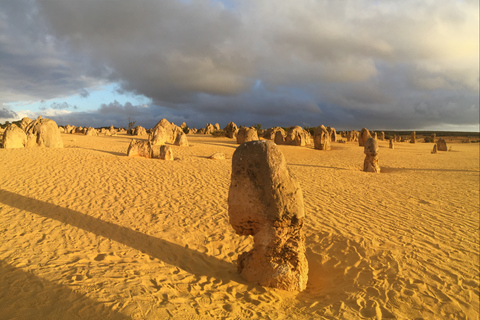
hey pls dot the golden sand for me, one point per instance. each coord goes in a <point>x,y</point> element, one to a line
<point>88,233</point>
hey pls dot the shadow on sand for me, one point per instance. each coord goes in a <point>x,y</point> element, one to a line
<point>184,258</point>
<point>26,296</point>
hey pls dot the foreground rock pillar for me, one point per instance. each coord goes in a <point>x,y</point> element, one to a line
<point>371,156</point>
<point>266,202</point>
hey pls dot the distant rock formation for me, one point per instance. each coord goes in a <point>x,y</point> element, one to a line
<point>91,132</point>
<point>321,138</point>
<point>164,132</point>
<point>140,131</point>
<point>280,136</point>
<point>181,140</point>
<point>352,136</point>
<point>231,130</point>
<point>391,143</point>
<point>209,128</point>
<point>434,148</point>
<point>296,136</point>
<point>413,138</point>
<point>246,135</point>
<point>442,145</point>
<point>371,156</point>
<point>265,201</point>
<point>332,133</point>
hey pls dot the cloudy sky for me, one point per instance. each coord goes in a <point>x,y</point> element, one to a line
<point>348,63</point>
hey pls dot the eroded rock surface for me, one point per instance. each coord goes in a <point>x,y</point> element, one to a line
<point>266,202</point>
<point>371,156</point>
<point>321,138</point>
<point>139,148</point>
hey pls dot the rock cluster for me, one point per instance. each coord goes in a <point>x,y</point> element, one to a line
<point>266,202</point>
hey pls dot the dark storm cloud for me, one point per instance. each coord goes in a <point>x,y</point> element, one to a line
<point>341,63</point>
<point>34,64</point>
<point>7,114</point>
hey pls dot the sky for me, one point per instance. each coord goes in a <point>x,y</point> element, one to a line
<point>348,64</point>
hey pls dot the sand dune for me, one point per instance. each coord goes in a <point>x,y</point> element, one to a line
<point>88,233</point>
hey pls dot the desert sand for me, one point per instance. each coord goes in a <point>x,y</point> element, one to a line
<point>89,233</point>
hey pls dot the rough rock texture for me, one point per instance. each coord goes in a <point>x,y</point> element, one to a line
<point>217,156</point>
<point>216,126</point>
<point>280,137</point>
<point>266,202</point>
<point>91,132</point>
<point>140,131</point>
<point>363,137</point>
<point>14,137</point>
<point>371,156</point>
<point>166,153</point>
<point>183,125</point>
<point>391,143</point>
<point>442,145</point>
<point>181,140</point>
<point>193,130</point>
<point>231,130</point>
<point>352,136</point>
<point>209,129</point>
<point>139,148</point>
<point>296,136</point>
<point>271,133</point>
<point>44,132</point>
<point>166,132</point>
<point>69,129</point>
<point>158,136</point>
<point>434,148</point>
<point>25,122</point>
<point>413,138</point>
<point>246,135</point>
<point>321,138</point>
<point>333,134</point>
<point>308,137</point>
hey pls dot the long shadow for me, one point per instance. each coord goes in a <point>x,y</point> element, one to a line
<point>98,150</point>
<point>26,296</point>
<point>184,258</point>
<point>120,154</point>
<point>390,170</point>
<point>219,144</point>
<point>317,166</point>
